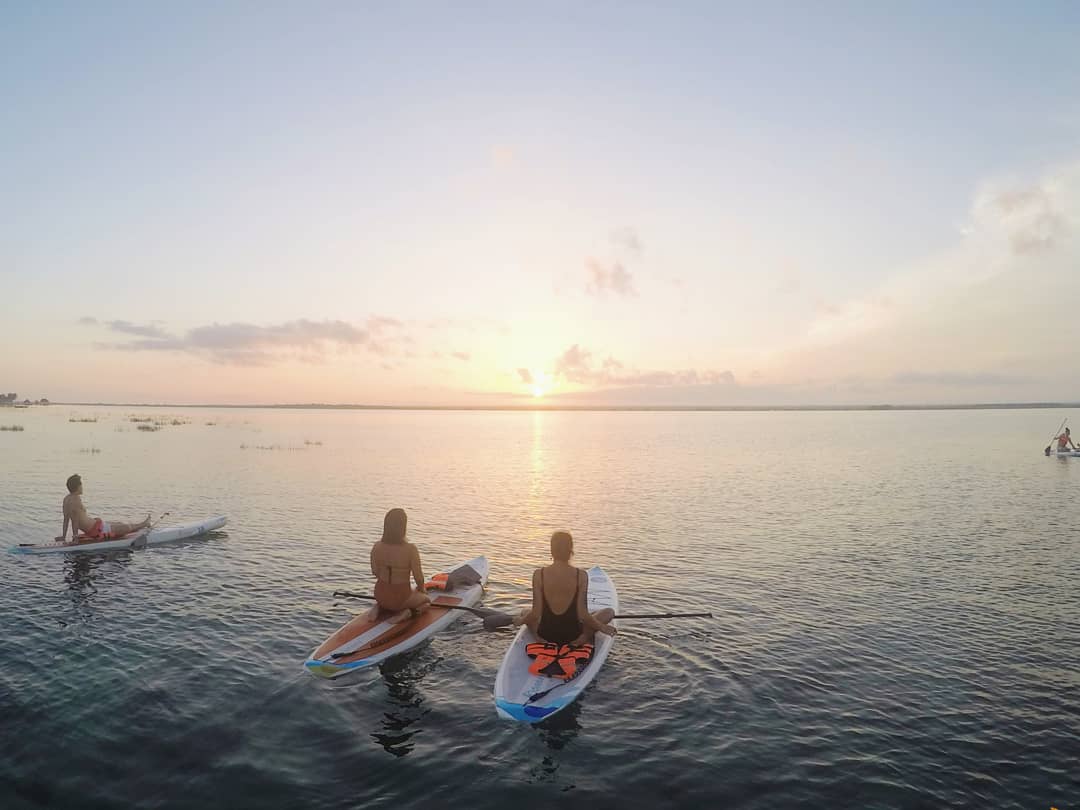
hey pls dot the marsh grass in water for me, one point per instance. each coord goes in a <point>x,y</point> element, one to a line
<point>149,428</point>
<point>269,447</point>
<point>82,419</point>
<point>13,428</point>
<point>90,450</point>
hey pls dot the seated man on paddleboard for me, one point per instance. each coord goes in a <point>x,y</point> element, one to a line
<point>1065,442</point>
<point>560,612</point>
<point>93,528</point>
<point>393,559</point>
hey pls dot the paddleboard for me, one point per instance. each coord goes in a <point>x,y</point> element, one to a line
<point>145,537</point>
<point>1065,454</point>
<point>361,643</point>
<point>515,686</point>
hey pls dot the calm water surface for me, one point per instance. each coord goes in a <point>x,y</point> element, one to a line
<point>896,597</point>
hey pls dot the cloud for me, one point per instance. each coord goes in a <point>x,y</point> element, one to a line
<point>87,320</point>
<point>576,365</point>
<point>462,356</point>
<point>615,279</point>
<point>472,325</point>
<point>526,376</point>
<point>141,330</point>
<point>248,344</point>
<point>1031,218</point>
<point>628,240</point>
<point>957,378</point>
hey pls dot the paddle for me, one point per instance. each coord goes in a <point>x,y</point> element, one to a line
<point>540,695</point>
<point>483,613</point>
<point>1056,434</point>
<point>494,619</point>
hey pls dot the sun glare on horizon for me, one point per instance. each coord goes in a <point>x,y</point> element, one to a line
<point>539,384</point>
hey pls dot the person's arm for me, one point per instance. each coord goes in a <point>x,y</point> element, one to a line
<point>583,609</point>
<point>534,612</point>
<point>63,534</point>
<point>374,568</point>
<point>417,569</point>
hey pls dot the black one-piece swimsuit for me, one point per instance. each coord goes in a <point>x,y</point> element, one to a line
<point>560,628</point>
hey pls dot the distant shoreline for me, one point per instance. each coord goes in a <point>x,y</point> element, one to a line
<point>976,406</point>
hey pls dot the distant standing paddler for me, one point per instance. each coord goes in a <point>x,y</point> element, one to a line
<point>1065,442</point>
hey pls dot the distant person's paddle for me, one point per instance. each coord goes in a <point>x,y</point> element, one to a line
<point>494,619</point>
<point>1056,434</point>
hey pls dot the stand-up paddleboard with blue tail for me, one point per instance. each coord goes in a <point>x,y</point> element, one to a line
<point>139,539</point>
<point>361,643</point>
<point>520,695</point>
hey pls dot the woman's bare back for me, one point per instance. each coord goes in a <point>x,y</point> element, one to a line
<point>561,583</point>
<point>393,562</point>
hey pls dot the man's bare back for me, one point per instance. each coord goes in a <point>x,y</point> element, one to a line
<point>94,528</point>
<point>75,512</point>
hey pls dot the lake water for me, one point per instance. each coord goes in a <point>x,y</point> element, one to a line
<point>896,599</point>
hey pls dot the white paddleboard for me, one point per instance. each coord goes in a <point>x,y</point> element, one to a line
<point>145,537</point>
<point>515,687</point>
<point>361,643</point>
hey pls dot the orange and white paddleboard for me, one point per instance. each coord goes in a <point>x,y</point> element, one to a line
<point>362,643</point>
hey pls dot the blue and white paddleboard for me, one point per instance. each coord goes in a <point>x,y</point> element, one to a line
<point>145,537</point>
<point>515,686</point>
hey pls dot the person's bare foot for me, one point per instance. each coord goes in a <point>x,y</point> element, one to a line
<point>401,616</point>
<point>373,614</point>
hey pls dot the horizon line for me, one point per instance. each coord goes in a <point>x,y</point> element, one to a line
<point>972,406</point>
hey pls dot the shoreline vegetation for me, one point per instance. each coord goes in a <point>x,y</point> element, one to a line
<point>314,406</point>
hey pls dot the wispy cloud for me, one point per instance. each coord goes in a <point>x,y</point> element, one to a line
<point>957,378</point>
<point>141,330</point>
<point>462,356</point>
<point>577,365</point>
<point>525,375</point>
<point>88,320</point>
<point>250,344</point>
<point>603,279</point>
<point>627,239</point>
<point>1033,217</point>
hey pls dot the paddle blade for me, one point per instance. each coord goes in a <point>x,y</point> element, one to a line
<point>497,620</point>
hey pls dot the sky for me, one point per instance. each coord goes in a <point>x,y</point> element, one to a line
<point>560,203</point>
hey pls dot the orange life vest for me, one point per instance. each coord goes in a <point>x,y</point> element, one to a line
<point>438,582</point>
<point>558,660</point>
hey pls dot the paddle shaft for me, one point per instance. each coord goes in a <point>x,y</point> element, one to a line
<point>662,616</point>
<point>481,612</point>
<point>1056,433</point>
<point>486,613</point>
